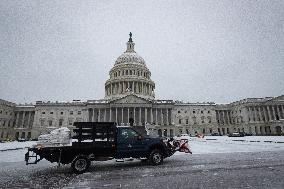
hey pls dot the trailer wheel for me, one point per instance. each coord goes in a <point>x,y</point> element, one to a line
<point>80,164</point>
<point>155,157</point>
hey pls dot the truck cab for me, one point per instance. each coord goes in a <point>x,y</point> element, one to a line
<point>130,143</point>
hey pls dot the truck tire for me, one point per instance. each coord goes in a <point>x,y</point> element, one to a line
<point>155,157</point>
<point>80,164</point>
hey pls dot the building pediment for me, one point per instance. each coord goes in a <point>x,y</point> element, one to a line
<point>131,99</point>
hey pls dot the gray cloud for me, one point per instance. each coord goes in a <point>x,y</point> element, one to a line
<point>219,51</point>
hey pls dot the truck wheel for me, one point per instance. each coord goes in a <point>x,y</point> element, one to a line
<point>80,164</point>
<point>156,157</point>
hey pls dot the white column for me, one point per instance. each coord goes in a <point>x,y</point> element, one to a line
<point>140,116</point>
<point>167,122</point>
<point>278,111</point>
<point>268,112</point>
<point>123,87</point>
<point>282,115</point>
<point>218,116</point>
<point>110,114</point>
<point>254,108</point>
<point>128,116</point>
<point>105,115</point>
<point>156,116</point>
<point>134,116</point>
<point>228,117</point>
<point>142,88</point>
<point>223,115</point>
<point>29,119</point>
<point>273,111</point>
<point>17,120</point>
<point>111,92</point>
<point>259,114</point>
<point>162,117</point>
<point>264,112</point>
<point>116,115</point>
<point>249,114</point>
<point>93,115</point>
<point>146,120</point>
<point>99,118</point>
<point>122,115</point>
<point>151,112</point>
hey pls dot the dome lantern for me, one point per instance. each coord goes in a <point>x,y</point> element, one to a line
<point>130,44</point>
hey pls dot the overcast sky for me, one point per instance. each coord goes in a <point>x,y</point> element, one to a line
<point>197,51</point>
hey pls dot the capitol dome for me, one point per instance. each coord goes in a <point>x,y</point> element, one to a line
<point>130,57</point>
<point>129,75</point>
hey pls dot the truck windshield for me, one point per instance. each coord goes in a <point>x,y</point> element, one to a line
<point>128,133</point>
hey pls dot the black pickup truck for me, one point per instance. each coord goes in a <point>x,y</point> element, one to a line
<point>100,141</point>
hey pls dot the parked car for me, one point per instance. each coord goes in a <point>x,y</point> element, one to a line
<point>215,134</point>
<point>21,140</point>
<point>237,134</point>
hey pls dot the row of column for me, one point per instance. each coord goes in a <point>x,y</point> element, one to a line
<point>122,115</point>
<point>265,113</point>
<point>24,119</point>
<point>135,86</point>
<point>224,116</point>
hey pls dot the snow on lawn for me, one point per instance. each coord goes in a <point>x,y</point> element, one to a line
<point>15,145</point>
<point>209,144</point>
<point>224,144</point>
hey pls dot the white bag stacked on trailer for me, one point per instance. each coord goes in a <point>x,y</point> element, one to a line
<point>57,137</point>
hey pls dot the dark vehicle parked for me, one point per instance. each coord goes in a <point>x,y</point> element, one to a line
<point>237,134</point>
<point>21,140</point>
<point>99,141</point>
<point>215,134</point>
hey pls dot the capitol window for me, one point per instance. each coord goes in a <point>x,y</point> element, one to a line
<point>179,121</point>
<point>186,121</point>
<point>79,112</point>
<point>193,111</point>
<point>50,122</point>
<point>60,122</point>
<point>43,112</point>
<point>71,112</point>
<point>42,122</point>
<point>61,113</point>
<point>51,112</point>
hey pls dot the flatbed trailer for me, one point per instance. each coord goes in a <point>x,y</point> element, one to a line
<point>100,141</point>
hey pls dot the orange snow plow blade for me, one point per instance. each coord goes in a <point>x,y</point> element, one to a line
<point>184,147</point>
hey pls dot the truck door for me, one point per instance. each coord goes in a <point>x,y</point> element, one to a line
<point>128,143</point>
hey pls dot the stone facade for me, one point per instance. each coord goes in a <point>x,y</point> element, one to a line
<point>6,119</point>
<point>130,100</point>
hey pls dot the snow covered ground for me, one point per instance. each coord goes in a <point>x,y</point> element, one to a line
<point>15,151</point>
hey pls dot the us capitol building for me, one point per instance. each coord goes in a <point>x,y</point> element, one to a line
<point>130,100</point>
